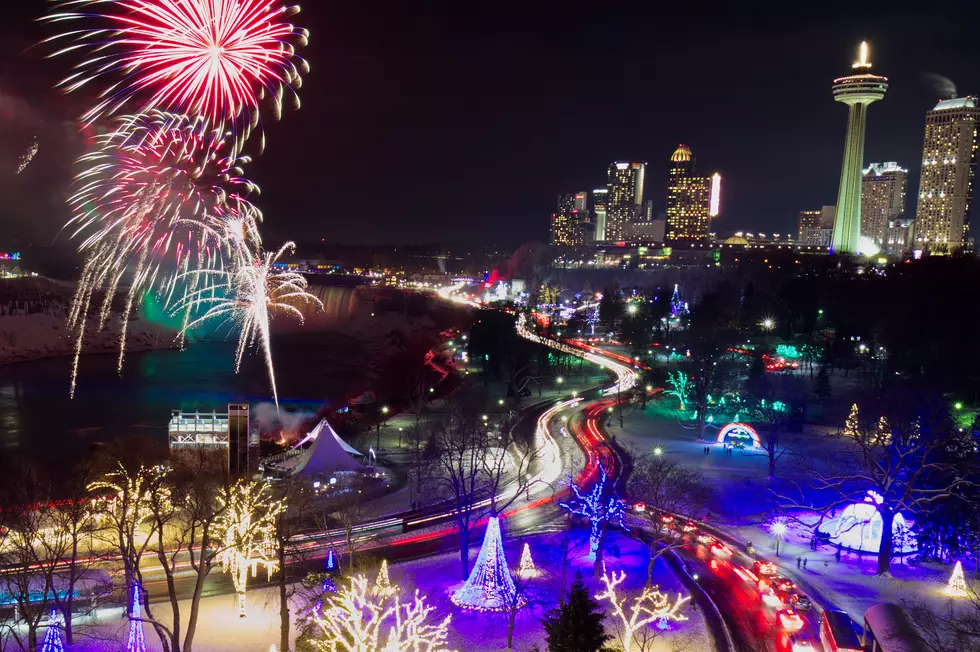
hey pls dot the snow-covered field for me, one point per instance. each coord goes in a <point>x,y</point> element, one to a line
<point>220,629</point>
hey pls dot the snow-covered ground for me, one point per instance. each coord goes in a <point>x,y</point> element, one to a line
<point>220,629</point>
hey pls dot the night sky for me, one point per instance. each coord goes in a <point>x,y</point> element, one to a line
<point>461,122</point>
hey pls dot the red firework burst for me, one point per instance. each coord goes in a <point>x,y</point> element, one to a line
<point>214,58</point>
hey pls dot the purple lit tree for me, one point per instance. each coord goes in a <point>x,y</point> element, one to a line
<point>602,507</point>
<point>490,586</point>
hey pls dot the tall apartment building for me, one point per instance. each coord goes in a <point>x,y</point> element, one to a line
<point>949,161</point>
<point>882,199</point>
<point>625,198</point>
<point>808,220</point>
<point>600,203</point>
<point>568,223</point>
<point>688,200</point>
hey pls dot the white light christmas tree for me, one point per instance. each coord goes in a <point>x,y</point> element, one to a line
<point>52,637</point>
<point>527,568</point>
<point>357,619</point>
<point>489,586</point>
<point>382,586</point>
<point>956,588</point>
<point>853,424</point>
<point>136,641</point>
<point>649,607</point>
<point>596,506</point>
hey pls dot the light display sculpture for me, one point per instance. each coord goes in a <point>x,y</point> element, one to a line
<point>489,586</point>
<point>600,508</point>
<point>739,432</point>
<point>956,588</point>
<point>136,641</point>
<point>382,585</point>
<point>527,568</point>
<point>859,528</point>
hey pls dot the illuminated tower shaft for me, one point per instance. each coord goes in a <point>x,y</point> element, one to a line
<point>857,91</point>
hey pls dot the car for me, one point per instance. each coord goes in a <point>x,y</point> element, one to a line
<point>667,519</point>
<point>640,507</point>
<point>800,601</point>
<point>763,567</point>
<point>720,549</point>
<point>705,538</point>
<point>789,620</point>
<point>800,643</point>
<point>781,583</point>
<point>771,598</point>
<point>690,527</point>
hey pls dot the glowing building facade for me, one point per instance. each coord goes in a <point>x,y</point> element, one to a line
<point>569,225</point>
<point>858,91</point>
<point>689,200</point>
<point>600,203</point>
<point>949,160</point>
<point>808,220</point>
<point>624,201</point>
<point>882,199</point>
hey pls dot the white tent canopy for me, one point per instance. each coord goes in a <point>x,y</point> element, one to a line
<point>328,453</point>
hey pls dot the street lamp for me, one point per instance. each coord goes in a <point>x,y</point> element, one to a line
<point>768,324</point>
<point>658,451</point>
<point>632,309</point>
<point>559,380</point>
<point>778,531</point>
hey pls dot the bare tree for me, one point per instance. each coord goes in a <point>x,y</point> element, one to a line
<point>666,489</point>
<point>461,441</point>
<point>299,502</point>
<point>909,461</point>
<point>954,627</point>
<point>773,402</point>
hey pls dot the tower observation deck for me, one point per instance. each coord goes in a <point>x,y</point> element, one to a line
<point>857,91</point>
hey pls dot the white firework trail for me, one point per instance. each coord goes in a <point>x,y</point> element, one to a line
<point>254,291</point>
<point>28,156</point>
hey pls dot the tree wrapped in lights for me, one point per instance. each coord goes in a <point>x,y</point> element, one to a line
<point>382,585</point>
<point>600,506</point>
<point>527,568</point>
<point>136,641</point>
<point>852,427</point>
<point>489,586</point>
<point>651,606</point>
<point>248,519</point>
<point>956,588</point>
<point>680,386</point>
<point>52,636</point>
<point>359,620</point>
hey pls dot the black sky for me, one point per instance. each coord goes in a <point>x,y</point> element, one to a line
<point>455,121</point>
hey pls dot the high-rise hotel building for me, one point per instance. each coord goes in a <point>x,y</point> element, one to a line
<point>882,199</point>
<point>568,224</point>
<point>949,161</point>
<point>600,205</point>
<point>688,200</point>
<point>624,201</point>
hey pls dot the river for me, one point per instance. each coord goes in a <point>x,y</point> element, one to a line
<point>37,418</point>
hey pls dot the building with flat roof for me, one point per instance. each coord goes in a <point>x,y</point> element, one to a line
<point>949,162</point>
<point>882,198</point>
<point>688,200</point>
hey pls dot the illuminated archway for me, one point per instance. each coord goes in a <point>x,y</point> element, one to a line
<point>739,432</point>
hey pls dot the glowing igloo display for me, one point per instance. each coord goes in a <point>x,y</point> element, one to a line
<point>859,528</point>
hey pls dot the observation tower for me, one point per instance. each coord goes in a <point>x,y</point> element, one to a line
<point>857,91</point>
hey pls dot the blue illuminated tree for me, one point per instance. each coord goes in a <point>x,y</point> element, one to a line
<point>601,506</point>
<point>52,637</point>
<point>136,641</point>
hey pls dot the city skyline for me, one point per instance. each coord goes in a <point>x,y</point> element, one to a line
<point>529,141</point>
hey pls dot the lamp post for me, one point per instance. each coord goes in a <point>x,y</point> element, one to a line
<point>778,531</point>
<point>381,424</point>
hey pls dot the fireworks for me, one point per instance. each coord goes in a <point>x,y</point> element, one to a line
<point>213,58</point>
<point>162,203</point>
<point>28,156</point>
<point>255,290</point>
<point>158,197</point>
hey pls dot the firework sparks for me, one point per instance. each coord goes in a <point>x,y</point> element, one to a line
<point>215,58</point>
<point>255,291</point>
<point>155,200</point>
<point>28,156</point>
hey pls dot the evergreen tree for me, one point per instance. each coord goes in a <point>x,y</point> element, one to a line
<point>821,388</point>
<point>576,625</point>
